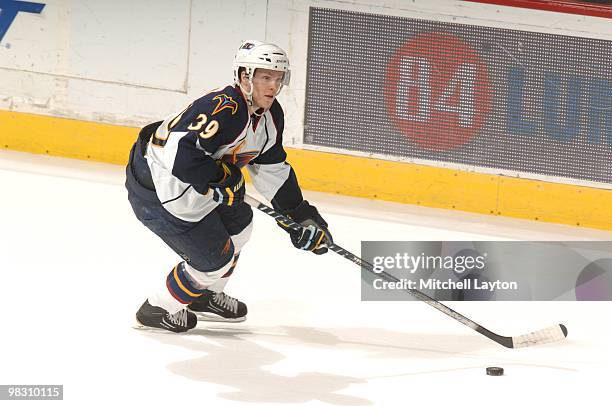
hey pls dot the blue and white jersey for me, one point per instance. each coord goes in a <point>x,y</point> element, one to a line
<point>182,153</point>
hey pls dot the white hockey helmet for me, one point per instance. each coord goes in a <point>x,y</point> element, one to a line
<point>253,54</point>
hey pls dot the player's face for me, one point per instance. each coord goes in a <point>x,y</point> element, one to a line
<point>265,87</point>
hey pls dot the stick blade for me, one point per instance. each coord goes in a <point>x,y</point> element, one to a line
<point>544,336</point>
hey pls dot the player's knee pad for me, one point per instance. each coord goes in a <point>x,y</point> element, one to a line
<point>209,256</point>
<point>240,239</point>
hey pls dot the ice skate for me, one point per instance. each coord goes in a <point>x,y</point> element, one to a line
<point>157,317</point>
<point>212,306</point>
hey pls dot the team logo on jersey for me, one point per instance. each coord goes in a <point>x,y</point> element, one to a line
<point>225,102</point>
<point>238,158</point>
<point>245,158</point>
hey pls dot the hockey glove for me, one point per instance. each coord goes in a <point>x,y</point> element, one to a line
<point>229,191</point>
<point>314,235</point>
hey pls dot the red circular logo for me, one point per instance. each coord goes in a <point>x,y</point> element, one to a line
<point>437,91</point>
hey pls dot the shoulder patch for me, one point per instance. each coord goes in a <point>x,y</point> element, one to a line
<point>225,102</point>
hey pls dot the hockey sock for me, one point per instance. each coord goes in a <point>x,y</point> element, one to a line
<point>219,285</point>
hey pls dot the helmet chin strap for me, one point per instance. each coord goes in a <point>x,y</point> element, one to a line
<point>249,96</point>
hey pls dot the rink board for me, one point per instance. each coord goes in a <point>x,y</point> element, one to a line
<point>485,98</point>
<point>342,174</point>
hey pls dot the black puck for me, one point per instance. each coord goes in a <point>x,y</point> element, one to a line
<point>495,371</point>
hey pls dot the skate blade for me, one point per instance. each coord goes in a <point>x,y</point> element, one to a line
<point>219,319</point>
<point>139,326</point>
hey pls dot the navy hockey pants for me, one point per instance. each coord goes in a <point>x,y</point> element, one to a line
<point>206,244</point>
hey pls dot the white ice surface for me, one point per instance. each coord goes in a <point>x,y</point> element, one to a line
<point>76,265</point>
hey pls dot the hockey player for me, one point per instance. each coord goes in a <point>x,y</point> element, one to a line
<point>185,184</point>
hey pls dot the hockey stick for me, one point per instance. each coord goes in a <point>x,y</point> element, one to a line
<point>544,336</point>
